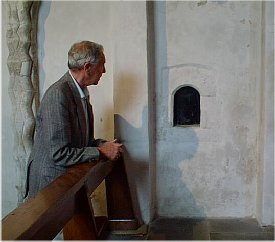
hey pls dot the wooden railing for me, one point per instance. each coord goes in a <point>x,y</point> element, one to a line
<point>66,204</point>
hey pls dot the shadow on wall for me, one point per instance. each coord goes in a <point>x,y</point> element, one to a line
<point>176,147</point>
<point>135,141</point>
<point>174,198</point>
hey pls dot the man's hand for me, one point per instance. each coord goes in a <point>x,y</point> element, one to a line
<point>110,150</point>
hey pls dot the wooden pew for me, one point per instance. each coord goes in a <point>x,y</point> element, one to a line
<point>65,203</point>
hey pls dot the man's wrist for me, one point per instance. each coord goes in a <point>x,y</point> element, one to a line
<point>101,155</point>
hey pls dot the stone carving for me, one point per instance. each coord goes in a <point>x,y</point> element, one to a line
<point>34,55</point>
<point>23,85</point>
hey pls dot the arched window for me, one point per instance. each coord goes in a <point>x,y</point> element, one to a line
<point>186,106</point>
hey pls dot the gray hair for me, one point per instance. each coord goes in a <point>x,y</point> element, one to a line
<point>84,52</point>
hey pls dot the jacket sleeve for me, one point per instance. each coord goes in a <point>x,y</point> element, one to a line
<point>58,117</point>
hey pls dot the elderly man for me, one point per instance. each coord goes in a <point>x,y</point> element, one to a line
<point>64,125</point>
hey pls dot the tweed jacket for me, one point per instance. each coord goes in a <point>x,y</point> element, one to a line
<point>60,139</point>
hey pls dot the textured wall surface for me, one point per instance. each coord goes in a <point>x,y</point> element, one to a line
<point>265,188</point>
<point>215,47</point>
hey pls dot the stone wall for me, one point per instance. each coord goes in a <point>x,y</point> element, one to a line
<point>216,47</point>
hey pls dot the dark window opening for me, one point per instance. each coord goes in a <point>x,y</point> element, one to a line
<point>186,106</point>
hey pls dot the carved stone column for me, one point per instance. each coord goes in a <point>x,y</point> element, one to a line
<point>23,85</point>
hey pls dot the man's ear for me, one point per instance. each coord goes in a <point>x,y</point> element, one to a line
<point>87,66</point>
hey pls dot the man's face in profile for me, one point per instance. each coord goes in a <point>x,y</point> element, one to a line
<point>95,71</point>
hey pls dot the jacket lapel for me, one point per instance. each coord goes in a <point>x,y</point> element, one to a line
<point>79,107</point>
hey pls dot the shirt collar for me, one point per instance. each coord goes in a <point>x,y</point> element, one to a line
<point>83,92</point>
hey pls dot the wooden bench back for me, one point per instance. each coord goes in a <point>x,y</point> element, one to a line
<point>65,204</point>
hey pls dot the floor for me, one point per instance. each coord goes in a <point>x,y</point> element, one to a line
<point>194,229</point>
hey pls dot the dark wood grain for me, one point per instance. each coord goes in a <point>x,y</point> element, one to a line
<point>65,204</point>
<point>119,202</point>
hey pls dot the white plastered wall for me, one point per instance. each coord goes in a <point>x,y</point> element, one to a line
<point>265,188</point>
<point>211,170</point>
<point>130,97</point>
